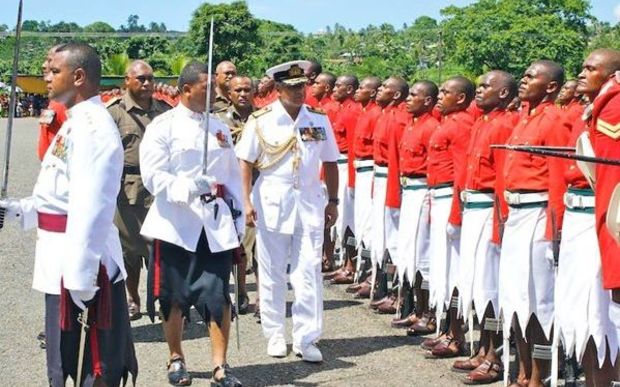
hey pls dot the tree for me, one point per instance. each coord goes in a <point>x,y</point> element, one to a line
<point>4,28</point>
<point>141,47</point>
<point>116,64</point>
<point>99,26</point>
<point>236,31</point>
<point>30,25</point>
<point>510,34</point>
<point>132,25</point>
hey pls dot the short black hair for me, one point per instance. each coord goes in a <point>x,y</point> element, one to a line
<point>191,73</point>
<point>430,89</point>
<point>555,72</point>
<point>315,67</point>
<point>331,78</point>
<point>83,56</point>
<point>508,81</point>
<point>350,79</point>
<point>466,87</point>
<point>375,82</point>
<point>402,85</point>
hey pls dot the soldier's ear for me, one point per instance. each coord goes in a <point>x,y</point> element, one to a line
<point>397,95</point>
<point>462,98</point>
<point>79,77</point>
<point>503,93</point>
<point>553,87</point>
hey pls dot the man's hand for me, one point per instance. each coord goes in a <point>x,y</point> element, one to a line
<point>204,185</point>
<point>81,297</point>
<point>615,295</point>
<point>331,214</point>
<point>250,215</point>
<point>12,209</point>
<point>453,232</point>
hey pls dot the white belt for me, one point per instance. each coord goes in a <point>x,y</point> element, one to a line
<point>409,181</point>
<point>364,163</point>
<point>469,196</point>
<point>380,170</point>
<point>572,200</point>
<point>441,192</point>
<point>516,198</point>
<point>343,158</point>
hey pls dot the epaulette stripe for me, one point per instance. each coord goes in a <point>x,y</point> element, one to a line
<point>262,111</point>
<point>316,110</point>
<point>608,129</point>
<point>112,102</point>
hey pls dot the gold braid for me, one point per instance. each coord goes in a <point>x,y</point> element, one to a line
<point>276,151</point>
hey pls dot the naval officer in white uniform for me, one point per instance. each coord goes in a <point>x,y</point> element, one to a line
<point>288,142</point>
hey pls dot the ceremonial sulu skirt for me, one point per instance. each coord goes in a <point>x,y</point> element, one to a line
<point>184,278</point>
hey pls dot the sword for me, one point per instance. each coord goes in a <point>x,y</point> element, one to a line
<point>12,105</point>
<point>556,334</point>
<point>208,110</point>
<point>83,320</point>
<point>544,151</point>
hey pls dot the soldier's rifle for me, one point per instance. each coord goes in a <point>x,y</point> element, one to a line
<point>560,152</point>
<point>12,105</point>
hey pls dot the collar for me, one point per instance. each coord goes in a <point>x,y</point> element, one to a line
<point>187,112</point>
<point>232,110</point>
<point>84,106</point>
<point>422,118</point>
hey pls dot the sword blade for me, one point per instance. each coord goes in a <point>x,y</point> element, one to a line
<point>235,304</point>
<point>12,105</point>
<point>208,107</point>
<point>559,154</point>
<point>83,331</point>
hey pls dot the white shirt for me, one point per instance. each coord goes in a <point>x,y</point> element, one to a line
<point>277,199</point>
<point>80,177</point>
<point>171,157</point>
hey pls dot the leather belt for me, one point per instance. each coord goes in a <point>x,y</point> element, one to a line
<point>52,222</point>
<point>343,159</point>
<point>131,170</point>
<point>519,198</point>
<point>579,198</point>
<point>362,163</point>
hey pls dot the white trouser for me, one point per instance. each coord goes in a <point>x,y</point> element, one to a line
<point>378,220</point>
<point>581,303</point>
<point>392,219</point>
<point>303,251</point>
<point>479,262</point>
<point>526,272</point>
<point>444,254</point>
<point>363,208</point>
<point>413,234</point>
<point>345,206</point>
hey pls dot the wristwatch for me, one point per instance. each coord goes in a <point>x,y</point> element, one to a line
<point>336,201</point>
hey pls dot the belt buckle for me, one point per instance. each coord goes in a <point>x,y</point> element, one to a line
<point>403,181</point>
<point>464,196</point>
<point>513,198</point>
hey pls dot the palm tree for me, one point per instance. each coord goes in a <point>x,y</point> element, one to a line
<point>178,62</point>
<point>116,64</point>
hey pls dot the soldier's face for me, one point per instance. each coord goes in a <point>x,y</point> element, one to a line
<point>534,84</point>
<point>139,82</point>
<point>265,85</point>
<point>417,101</point>
<point>593,75</point>
<point>196,94</point>
<point>292,95</point>
<point>449,98</point>
<point>488,93</point>
<point>320,88</point>
<point>365,92</point>
<point>241,92</point>
<point>62,79</point>
<point>341,90</point>
<point>226,72</point>
<point>567,92</point>
<point>386,92</point>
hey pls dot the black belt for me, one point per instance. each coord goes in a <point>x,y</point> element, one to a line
<point>414,175</point>
<point>441,185</point>
<point>131,170</point>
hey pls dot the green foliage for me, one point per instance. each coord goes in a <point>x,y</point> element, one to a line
<point>99,26</point>
<point>236,31</point>
<point>145,46</point>
<point>116,64</point>
<point>510,34</point>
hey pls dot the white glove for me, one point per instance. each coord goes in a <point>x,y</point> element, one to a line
<point>81,297</point>
<point>549,254</point>
<point>203,185</point>
<point>13,209</point>
<point>453,232</point>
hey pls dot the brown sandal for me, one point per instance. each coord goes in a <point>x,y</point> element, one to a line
<point>467,365</point>
<point>486,373</point>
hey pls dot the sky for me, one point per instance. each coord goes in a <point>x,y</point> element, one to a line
<point>306,15</point>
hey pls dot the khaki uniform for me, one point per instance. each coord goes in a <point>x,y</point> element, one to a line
<point>133,200</point>
<point>235,123</point>
<point>221,103</point>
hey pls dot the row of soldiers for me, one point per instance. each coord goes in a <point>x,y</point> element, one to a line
<point>469,226</point>
<point>420,187</point>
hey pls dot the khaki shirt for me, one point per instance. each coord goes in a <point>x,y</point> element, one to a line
<point>132,120</point>
<point>220,103</point>
<point>233,120</point>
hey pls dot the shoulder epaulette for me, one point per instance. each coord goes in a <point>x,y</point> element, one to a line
<point>315,110</point>
<point>262,111</point>
<point>113,101</point>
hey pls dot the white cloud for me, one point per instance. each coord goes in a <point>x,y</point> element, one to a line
<point>617,12</point>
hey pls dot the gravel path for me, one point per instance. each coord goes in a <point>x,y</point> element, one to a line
<point>359,347</point>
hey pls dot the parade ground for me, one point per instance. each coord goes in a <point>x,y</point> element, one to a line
<point>359,347</point>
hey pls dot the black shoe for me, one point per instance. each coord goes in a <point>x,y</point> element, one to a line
<point>42,342</point>
<point>177,372</point>
<point>243,304</point>
<point>229,380</point>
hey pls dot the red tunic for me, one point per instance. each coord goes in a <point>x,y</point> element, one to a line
<point>485,165</point>
<point>363,135</point>
<point>397,119</point>
<point>261,102</point>
<point>572,174</point>
<point>413,148</point>
<point>543,126</point>
<point>605,137</point>
<point>343,123</point>
<point>446,155</point>
<point>573,111</point>
<point>310,99</point>
<point>47,132</point>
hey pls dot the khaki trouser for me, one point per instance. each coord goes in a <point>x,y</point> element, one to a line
<point>129,219</point>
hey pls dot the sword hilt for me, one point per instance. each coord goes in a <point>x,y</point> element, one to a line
<point>2,213</point>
